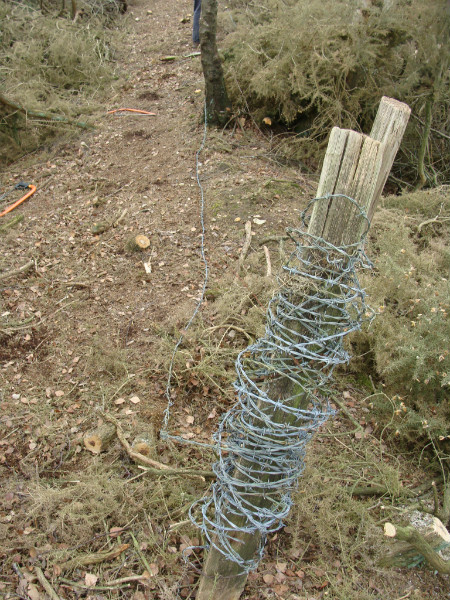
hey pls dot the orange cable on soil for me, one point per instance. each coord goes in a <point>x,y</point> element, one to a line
<point>15,204</point>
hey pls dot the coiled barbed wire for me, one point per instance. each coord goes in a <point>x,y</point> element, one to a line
<point>281,392</point>
<point>280,388</point>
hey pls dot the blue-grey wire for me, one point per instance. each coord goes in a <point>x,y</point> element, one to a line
<point>164,434</point>
<point>261,442</point>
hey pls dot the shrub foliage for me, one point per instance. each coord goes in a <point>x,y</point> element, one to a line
<point>316,64</point>
<point>410,288</point>
<point>49,65</point>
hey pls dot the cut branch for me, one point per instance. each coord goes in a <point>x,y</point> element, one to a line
<point>41,115</point>
<point>419,544</point>
<point>93,559</point>
<point>100,439</point>
<point>246,246</point>
<point>21,269</point>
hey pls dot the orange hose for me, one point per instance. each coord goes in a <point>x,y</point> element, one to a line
<point>13,206</point>
<point>135,110</point>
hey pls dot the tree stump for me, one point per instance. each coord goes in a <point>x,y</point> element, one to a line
<point>99,440</point>
<point>137,243</point>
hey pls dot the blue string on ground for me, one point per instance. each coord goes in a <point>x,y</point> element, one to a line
<point>164,433</point>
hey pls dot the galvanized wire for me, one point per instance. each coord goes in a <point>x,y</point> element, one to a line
<point>164,433</point>
<point>281,387</point>
<point>281,393</point>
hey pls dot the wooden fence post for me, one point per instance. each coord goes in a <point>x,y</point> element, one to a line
<point>357,166</point>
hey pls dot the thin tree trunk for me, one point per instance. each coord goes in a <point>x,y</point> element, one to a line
<point>218,106</point>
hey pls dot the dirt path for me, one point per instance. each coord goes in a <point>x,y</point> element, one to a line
<point>82,328</point>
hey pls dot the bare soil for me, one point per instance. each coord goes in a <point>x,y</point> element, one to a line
<point>81,331</point>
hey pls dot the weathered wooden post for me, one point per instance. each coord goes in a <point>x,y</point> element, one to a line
<point>356,166</point>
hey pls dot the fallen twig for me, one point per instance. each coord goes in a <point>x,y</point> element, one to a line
<point>41,115</point>
<point>139,553</point>
<point>93,559</point>
<point>269,264</point>
<point>45,584</point>
<point>246,246</point>
<point>126,580</point>
<point>97,588</point>
<point>12,223</point>
<point>150,465</point>
<point>136,456</point>
<point>347,413</point>
<point>120,217</point>
<point>14,327</point>
<point>273,238</point>
<point>17,271</point>
<point>76,284</point>
<point>436,219</point>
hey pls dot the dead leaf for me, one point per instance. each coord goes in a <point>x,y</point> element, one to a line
<point>57,570</point>
<point>321,586</point>
<point>59,393</point>
<point>90,579</point>
<point>33,592</point>
<point>119,401</point>
<point>319,572</point>
<point>268,578</point>
<point>190,419</point>
<point>135,399</point>
<point>281,589</point>
<point>267,121</point>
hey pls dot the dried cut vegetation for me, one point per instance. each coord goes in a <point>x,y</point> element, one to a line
<point>314,65</point>
<point>408,343</point>
<point>54,71</point>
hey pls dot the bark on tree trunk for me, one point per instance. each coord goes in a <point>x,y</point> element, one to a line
<point>218,106</point>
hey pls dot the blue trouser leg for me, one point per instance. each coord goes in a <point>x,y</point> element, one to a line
<point>196,21</point>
